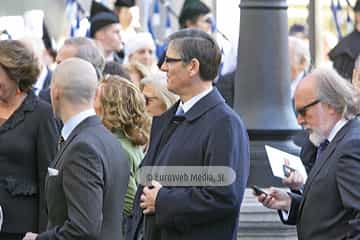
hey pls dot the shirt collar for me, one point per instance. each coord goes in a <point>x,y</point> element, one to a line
<point>74,121</point>
<point>192,101</point>
<point>338,126</point>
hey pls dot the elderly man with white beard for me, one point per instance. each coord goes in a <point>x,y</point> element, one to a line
<point>329,207</point>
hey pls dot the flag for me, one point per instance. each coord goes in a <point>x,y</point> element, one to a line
<point>79,24</point>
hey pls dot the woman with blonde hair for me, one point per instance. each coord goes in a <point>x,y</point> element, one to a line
<point>158,98</point>
<point>121,106</point>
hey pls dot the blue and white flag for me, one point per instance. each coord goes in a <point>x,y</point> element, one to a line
<point>79,24</point>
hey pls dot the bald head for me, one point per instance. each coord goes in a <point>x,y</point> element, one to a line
<point>305,91</point>
<point>77,80</point>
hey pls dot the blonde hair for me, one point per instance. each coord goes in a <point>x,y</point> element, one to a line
<point>159,82</point>
<point>123,109</point>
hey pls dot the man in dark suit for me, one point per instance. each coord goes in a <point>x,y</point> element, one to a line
<point>88,178</point>
<point>329,207</point>
<point>208,134</point>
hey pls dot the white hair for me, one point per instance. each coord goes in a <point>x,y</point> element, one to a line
<point>159,83</point>
<point>299,52</point>
<point>138,41</point>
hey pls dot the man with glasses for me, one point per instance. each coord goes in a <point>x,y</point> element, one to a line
<point>329,208</point>
<point>205,133</point>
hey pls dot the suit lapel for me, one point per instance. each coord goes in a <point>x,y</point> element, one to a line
<point>161,123</point>
<point>92,120</point>
<point>323,160</point>
<point>159,126</point>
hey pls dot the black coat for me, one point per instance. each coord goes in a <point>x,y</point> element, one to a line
<point>211,135</point>
<point>344,54</point>
<point>28,141</point>
<point>329,207</point>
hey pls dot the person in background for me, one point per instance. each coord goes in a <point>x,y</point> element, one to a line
<point>28,141</point>
<point>195,14</point>
<point>141,48</point>
<point>80,47</point>
<point>299,31</point>
<point>105,29</point>
<point>344,54</point>
<point>121,107</point>
<point>115,68</point>
<point>299,58</point>
<point>158,98</point>
<point>123,9</point>
<point>137,71</point>
<point>36,45</point>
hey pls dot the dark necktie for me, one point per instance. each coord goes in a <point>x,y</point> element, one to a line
<point>60,143</point>
<point>321,149</point>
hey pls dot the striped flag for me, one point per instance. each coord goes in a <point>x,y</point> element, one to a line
<point>79,24</point>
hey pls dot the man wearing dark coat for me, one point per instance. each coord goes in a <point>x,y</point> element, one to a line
<point>206,133</point>
<point>328,208</point>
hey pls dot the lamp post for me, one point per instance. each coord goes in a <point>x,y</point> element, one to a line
<point>262,84</point>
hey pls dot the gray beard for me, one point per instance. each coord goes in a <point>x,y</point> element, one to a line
<point>316,137</point>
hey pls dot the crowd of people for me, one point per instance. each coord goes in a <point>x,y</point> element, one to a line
<point>74,138</point>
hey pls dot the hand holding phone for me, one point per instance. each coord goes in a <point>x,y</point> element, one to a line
<point>258,191</point>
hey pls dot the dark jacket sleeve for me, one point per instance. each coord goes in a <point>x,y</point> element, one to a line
<point>294,209</point>
<point>347,177</point>
<point>46,145</point>
<point>83,186</point>
<point>183,207</point>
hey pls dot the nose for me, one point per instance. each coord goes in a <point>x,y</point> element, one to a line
<point>164,67</point>
<point>300,119</point>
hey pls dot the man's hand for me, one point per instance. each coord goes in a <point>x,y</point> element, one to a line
<point>275,199</point>
<point>30,236</point>
<point>295,181</point>
<point>148,197</point>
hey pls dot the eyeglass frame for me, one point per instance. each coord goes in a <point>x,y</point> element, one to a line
<point>148,99</point>
<point>302,111</point>
<point>171,60</point>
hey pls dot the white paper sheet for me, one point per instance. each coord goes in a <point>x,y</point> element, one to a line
<point>278,158</point>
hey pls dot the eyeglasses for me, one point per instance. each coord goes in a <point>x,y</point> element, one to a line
<point>170,60</point>
<point>149,99</point>
<point>302,111</point>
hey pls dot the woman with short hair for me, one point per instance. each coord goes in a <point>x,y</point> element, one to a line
<point>28,137</point>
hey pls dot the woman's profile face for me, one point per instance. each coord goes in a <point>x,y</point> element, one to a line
<point>8,86</point>
<point>154,106</point>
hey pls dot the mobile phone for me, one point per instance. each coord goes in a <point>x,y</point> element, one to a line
<point>258,191</point>
<point>287,170</point>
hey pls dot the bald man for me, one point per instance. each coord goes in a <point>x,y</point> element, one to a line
<point>88,179</point>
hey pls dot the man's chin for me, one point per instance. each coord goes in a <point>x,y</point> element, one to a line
<point>316,138</point>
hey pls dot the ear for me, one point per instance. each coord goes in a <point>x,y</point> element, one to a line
<point>54,92</point>
<point>193,67</point>
<point>330,109</point>
<point>99,34</point>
